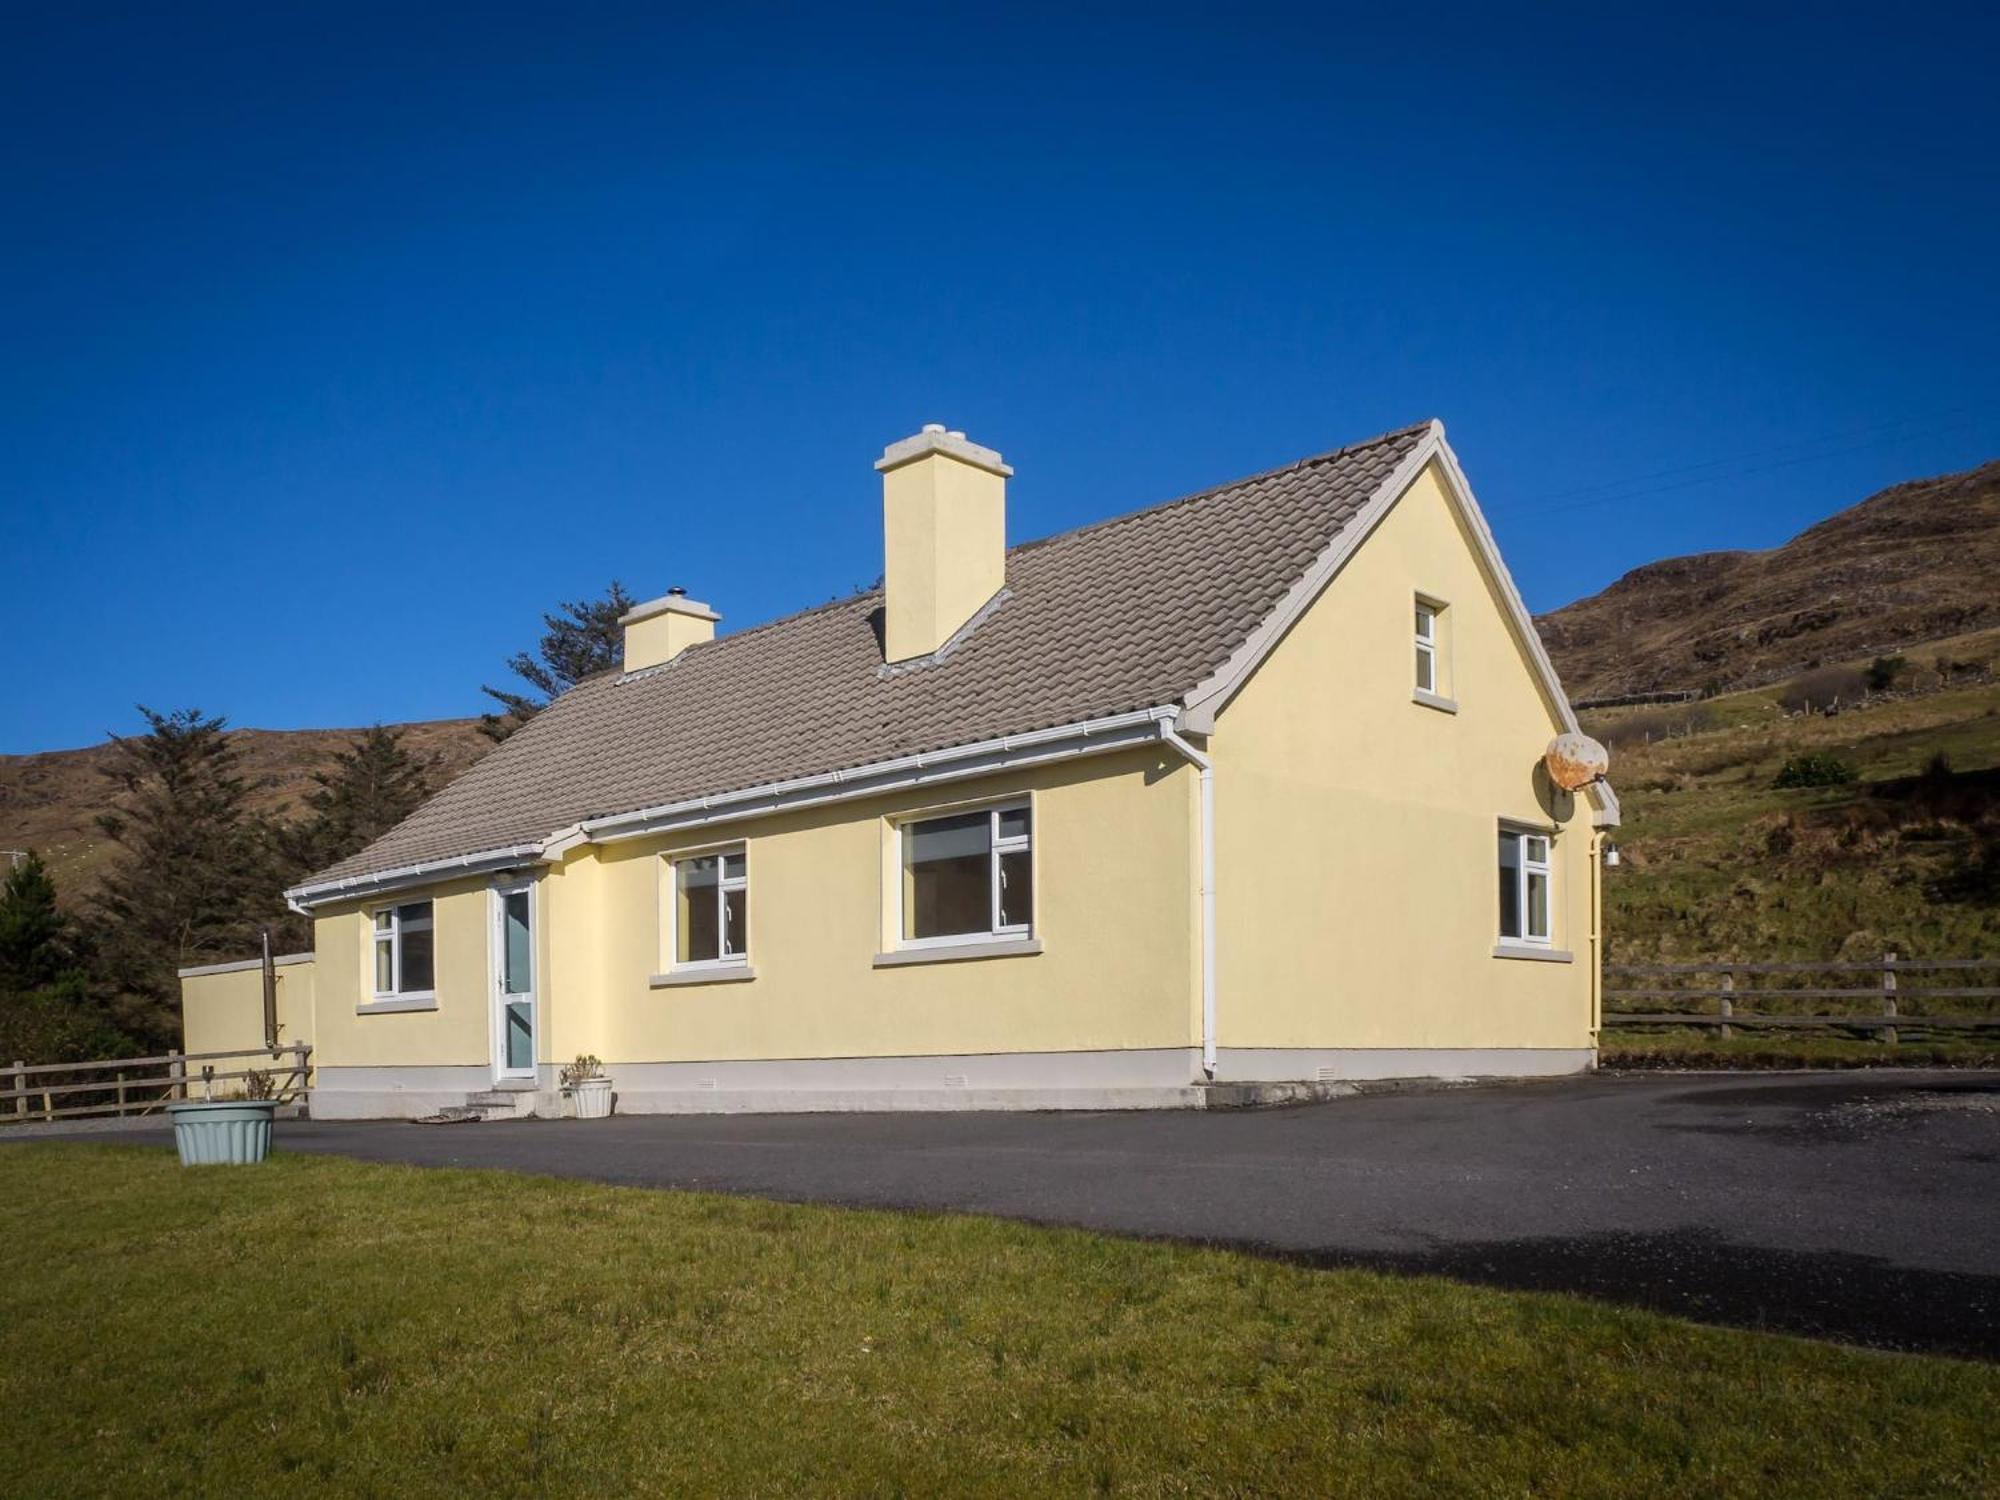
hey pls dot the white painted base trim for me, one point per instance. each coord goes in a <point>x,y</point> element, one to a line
<point>1153,1078</point>
<point>393,1093</point>
<point>1150,1078</point>
<point>1363,1064</point>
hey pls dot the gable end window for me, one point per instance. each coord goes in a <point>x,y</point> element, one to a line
<point>712,909</point>
<point>1431,639</point>
<point>1526,885</point>
<point>968,875</point>
<point>405,951</point>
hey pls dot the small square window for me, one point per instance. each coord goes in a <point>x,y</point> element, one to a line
<point>405,951</point>
<point>711,908</point>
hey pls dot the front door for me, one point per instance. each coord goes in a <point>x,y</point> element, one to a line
<point>514,982</point>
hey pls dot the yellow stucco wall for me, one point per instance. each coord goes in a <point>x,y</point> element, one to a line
<point>225,1012</point>
<point>1356,853</point>
<point>1115,891</point>
<point>456,1032</point>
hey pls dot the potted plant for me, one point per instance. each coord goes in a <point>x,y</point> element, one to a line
<point>589,1090</point>
<point>212,1132</point>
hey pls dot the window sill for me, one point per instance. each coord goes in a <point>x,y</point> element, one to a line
<point>1528,950</point>
<point>951,953</point>
<point>391,1004</point>
<point>1437,701</point>
<point>713,974</point>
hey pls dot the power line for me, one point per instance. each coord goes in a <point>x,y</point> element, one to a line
<point>1611,492</point>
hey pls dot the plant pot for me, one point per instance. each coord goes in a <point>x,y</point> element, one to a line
<point>592,1098</point>
<point>222,1132</point>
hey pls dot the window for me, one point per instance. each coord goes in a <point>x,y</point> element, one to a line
<point>712,908</point>
<point>1524,887</point>
<point>404,951</point>
<point>1427,647</point>
<point>968,875</point>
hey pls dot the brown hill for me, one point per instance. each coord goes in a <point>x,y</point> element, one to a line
<point>50,802</point>
<point>1917,562</point>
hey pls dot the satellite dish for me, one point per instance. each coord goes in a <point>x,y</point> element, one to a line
<point>1574,761</point>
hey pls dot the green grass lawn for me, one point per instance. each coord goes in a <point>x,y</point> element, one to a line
<point>318,1326</point>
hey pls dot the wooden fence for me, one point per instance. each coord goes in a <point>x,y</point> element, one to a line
<point>1714,995</point>
<point>146,1085</point>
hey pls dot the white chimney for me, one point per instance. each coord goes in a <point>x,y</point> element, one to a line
<point>944,537</point>
<point>660,629</point>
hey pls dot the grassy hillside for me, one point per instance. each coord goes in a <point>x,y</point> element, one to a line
<point>50,802</point>
<point>1915,563</point>
<point>1720,862</point>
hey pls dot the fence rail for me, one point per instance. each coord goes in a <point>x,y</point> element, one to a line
<point>1885,1009</point>
<point>145,1085</point>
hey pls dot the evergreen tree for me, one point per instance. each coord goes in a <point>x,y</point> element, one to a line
<point>198,879</point>
<point>47,1013</point>
<point>371,787</point>
<point>37,940</point>
<point>582,639</point>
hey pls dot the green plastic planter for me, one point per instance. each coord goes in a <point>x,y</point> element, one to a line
<point>222,1133</point>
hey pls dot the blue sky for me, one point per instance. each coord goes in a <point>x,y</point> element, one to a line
<point>341,342</point>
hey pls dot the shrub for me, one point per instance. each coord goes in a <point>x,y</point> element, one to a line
<point>1814,768</point>
<point>1883,672</point>
<point>1824,687</point>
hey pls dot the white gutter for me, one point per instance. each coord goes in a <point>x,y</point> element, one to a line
<point>1089,737</point>
<point>1205,776</point>
<point>302,898</point>
<point>983,757</point>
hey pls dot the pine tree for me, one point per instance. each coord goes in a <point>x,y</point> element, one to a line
<point>37,939</point>
<point>199,877</point>
<point>371,787</point>
<point>47,1012</point>
<point>582,639</point>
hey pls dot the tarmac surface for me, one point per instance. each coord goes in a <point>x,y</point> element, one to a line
<point>1859,1206</point>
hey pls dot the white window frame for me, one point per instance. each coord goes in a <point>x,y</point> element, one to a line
<point>996,846</point>
<point>1545,867</point>
<point>1427,645</point>
<point>392,935</point>
<point>671,960</point>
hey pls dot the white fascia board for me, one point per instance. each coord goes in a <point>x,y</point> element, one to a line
<point>956,763</point>
<point>303,898</point>
<point>1211,696</point>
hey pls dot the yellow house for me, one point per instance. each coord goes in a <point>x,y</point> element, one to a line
<point>1244,787</point>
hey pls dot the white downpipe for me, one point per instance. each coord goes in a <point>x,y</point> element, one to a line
<point>1205,778</point>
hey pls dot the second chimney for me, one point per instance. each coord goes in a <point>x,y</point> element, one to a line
<point>660,629</point>
<point>944,538</point>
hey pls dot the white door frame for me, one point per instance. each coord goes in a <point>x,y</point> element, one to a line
<point>499,999</point>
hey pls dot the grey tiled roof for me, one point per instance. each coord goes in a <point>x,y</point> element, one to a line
<point>1126,614</point>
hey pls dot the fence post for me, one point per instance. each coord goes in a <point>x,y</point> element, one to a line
<point>176,1076</point>
<point>1888,1033</point>
<point>121,1094</point>
<point>20,1087</point>
<point>1725,1030</point>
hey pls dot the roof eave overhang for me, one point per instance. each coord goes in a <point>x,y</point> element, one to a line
<point>955,763</point>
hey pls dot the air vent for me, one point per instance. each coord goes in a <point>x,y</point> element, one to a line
<point>954,1080</point>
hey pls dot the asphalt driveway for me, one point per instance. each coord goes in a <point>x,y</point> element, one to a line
<point>1859,1207</point>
